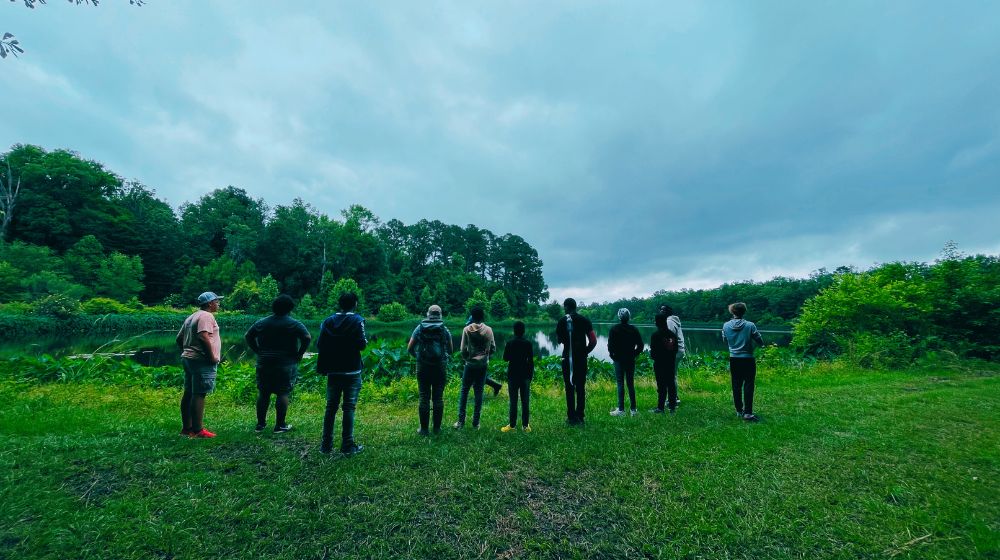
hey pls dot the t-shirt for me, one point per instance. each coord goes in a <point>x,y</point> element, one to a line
<point>198,322</point>
<point>520,354</point>
<point>278,340</point>
<point>581,327</point>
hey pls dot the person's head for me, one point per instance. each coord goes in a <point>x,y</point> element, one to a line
<point>660,320</point>
<point>569,305</point>
<point>348,301</point>
<point>624,315</point>
<point>478,314</point>
<point>518,328</point>
<point>282,305</point>
<point>434,313</point>
<point>209,301</point>
<point>738,309</point>
<point>666,310</point>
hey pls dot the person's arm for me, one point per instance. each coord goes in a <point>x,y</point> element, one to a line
<point>531,362</point>
<point>449,343</point>
<point>206,340</point>
<point>251,339</point>
<point>612,343</point>
<point>492,347</point>
<point>757,337</point>
<point>463,345</point>
<point>304,339</point>
<point>591,341</point>
<point>507,351</point>
<point>362,339</point>
<point>638,343</point>
<point>180,338</point>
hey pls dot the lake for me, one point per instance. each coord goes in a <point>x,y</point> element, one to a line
<point>157,348</point>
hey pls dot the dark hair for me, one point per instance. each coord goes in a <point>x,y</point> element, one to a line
<point>660,320</point>
<point>478,314</point>
<point>569,304</point>
<point>666,310</point>
<point>738,309</point>
<point>518,328</point>
<point>283,304</point>
<point>348,301</point>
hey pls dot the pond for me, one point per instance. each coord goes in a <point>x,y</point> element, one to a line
<point>157,348</point>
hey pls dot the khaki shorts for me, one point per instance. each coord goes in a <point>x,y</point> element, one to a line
<point>199,376</point>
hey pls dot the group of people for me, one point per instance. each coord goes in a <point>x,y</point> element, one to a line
<point>280,341</point>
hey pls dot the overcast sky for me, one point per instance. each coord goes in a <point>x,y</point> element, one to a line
<point>637,145</point>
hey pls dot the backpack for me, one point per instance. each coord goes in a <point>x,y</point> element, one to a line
<point>430,346</point>
<point>670,341</point>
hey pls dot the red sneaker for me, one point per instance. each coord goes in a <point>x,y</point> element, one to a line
<point>202,434</point>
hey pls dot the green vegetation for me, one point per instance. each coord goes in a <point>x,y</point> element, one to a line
<point>846,463</point>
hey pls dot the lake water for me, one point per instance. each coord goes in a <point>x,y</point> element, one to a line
<point>157,348</point>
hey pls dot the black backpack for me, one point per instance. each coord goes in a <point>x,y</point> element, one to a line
<point>670,341</point>
<point>430,344</point>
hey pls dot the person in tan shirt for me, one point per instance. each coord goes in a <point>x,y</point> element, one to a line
<point>477,346</point>
<point>201,352</point>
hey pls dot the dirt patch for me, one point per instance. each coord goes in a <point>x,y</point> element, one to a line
<point>96,485</point>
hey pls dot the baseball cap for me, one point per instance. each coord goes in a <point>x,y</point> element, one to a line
<point>207,297</point>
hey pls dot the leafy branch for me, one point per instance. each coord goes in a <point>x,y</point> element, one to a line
<point>10,45</point>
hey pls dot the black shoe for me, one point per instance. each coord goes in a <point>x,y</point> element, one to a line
<point>751,417</point>
<point>437,430</point>
<point>354,449</point>
<point>656,410</point>
<point>259,428</point>
<point>325,450</point>
<point>423,432</point>
<point>282,428</point>
<point>496,390</point>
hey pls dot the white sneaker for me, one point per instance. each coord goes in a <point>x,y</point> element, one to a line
<point>634,412</point>
<point>618,412</point>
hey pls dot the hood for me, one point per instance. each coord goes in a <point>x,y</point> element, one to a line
<point>339,323</point>
<point>476,327</point>
<point>431,324</point>
<point>737,324</point>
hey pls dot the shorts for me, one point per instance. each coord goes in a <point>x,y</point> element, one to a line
<point>277,379</point>
<point>199,376</point>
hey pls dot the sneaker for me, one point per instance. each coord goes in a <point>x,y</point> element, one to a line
<point>202,434</point>
<point>496,390</point>
<point>259,428</point>
<point>634,412</point>
<point>186,432</point>
<point>352,450</point>
<point>325,450</point>
<point>739,414</point>
<point>507,428</point>
<point>527,429</point>
<point>672,410</point>
<point>618,412</point>
<point>475,426</point>
<point>656,410</point>
<point>751,417</point>
<point>458,425</point>
<point>423,432</point>
<point>283,428</point>
<point>437,431</point>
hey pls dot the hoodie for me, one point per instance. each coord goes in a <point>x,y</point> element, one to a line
<point>341,340</point>
<point>477,344</point>
<point>674,324</point>
<point>740,335</point>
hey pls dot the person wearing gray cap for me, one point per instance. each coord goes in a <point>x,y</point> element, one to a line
<point>201,352</point>
<point>432,345</point>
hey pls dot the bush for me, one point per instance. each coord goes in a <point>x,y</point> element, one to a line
<point>103,306</point>
<point>16,308</point>
<point>58,306</point>
<point>391,312</point>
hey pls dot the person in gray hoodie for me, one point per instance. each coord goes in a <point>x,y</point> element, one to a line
<point>741,335</point>
<point>674,324</point>
<point>477,346</point>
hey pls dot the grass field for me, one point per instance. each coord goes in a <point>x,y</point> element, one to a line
<point>844,464</point>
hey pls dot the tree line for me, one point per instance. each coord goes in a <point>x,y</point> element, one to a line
<point>72,228</point>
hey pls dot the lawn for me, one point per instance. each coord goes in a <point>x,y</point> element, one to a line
<point>844,464</point>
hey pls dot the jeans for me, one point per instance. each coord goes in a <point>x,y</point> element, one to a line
<point>474,376</point>
<point>625,373</point>
<point>666,382</point>
<point>431,379</point>
<point>744,373</point>
<point>576,392</point>
<point>339,387</point>
<point>519,387</point>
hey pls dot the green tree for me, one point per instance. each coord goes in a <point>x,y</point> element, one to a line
<point>84,259</point>
<point>305,308</point>
<point>391,312</point>
<point>499,306</point>
<point>119,277</point>
<point>268,291</point>
<point>479,299</point>
<point>343,286</point>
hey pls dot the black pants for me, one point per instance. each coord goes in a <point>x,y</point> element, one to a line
<point>492,383</point>
<point>666,382</point>
<point>431,379</point>
<point>340,388</point>
<point>473,377</point>
<point>625,375</point>
<point>519,387</point>
<point>744,373</point>
<point>576,392</point>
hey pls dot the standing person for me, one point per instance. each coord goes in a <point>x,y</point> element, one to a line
<point>520,358</point>
<point>663,351</point>
<point>674,324</point>
<point>489,381</point>
<point>741,335</point>
<point>477,345</point>
<point>576,333</point>
<point>624,345</point>
<point>431,344</point>
<point>279,342</point>
<point>201,352</point>
<point>341,340</point>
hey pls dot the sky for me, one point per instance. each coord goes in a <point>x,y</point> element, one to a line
<point>638,146</point>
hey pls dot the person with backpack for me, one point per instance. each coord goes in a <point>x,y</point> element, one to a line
<point>431,344</point>
<point>663,351</point>
<point>741,335</point>
<point>341,340</point>
<point>576,334</point>
<point>489,381</point>
<point>477,346</point>
<point>674,324</point>
<point>624,345</point>
<point>520,358</point>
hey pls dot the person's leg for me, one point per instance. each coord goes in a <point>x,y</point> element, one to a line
<point>620,380</point>
<point>581,388</point>
<point>749,382</point>
<point>630,380</point>
<point>570,392</point>
<point>677,368</point>
<point>480,381</point>
<point>186,397</point>
<point>288,376</point>
<point>263,402</point>
<point>671,378</point>
<point>659,371</point>
<point>333,392</point>
<point>512,395</point>
<point>197,412</point>
<point>525,389</point>
<point>352,387</point>
<point>494,384</point>
<point>736,375</point>
<point>437,395</point>
<point>424,391</point>
<point>281,408</point>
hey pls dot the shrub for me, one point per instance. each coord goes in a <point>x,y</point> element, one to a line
<point>58,306</point>
<point>392,312</point>
<point>103,306</point>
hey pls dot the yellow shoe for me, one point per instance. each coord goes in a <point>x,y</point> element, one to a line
<point>527,429</point>
<point>506,428</point>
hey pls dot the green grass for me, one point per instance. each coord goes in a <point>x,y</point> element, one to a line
<point>845,464</point>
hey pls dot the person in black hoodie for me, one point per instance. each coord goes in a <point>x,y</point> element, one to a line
<point>663,351</point>
<point>624,345</point>
<point>520,358</point>
<point>432,345</point>
<point>575,331</point>
<point>341,340</point>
